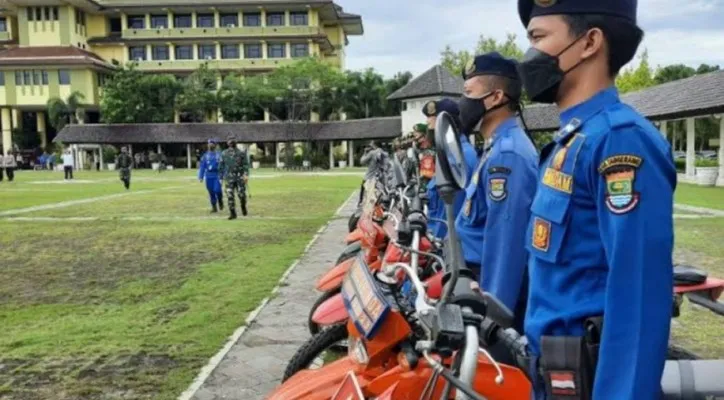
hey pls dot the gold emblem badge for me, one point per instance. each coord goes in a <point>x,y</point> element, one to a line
<point>541,234</point>
<point>559,159</point>
<point>431,108</point>
<point>545,3</point>
<point>470,67</point>
<point>468,207</point>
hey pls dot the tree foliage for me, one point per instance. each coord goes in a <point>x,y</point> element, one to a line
<point>640,77</point>
<point>198,96</point>
<point>62,112</point>
<point>455,60</point>
<point>131,96</point>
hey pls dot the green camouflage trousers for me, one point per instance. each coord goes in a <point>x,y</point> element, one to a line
<point>235,184</point>
<point>125,174</point>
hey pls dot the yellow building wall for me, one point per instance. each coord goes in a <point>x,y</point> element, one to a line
<point>41,33</point>
<point>83,80</point>
<point>332,33</point>
<point>78,34</point>
<point>97,25</point>
<point>32,95</point>
<point>110,53</point>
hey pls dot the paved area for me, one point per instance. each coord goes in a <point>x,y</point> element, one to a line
<point>256,362</point>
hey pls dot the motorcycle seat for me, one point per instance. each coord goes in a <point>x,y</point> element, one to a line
<point>698,379</point>
<point>686,275</point>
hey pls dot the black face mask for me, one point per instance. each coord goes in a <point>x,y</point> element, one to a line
<point>472,112</point>
<point>542,75</point>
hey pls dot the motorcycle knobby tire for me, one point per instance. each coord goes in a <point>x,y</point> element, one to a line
<point>314,347</point>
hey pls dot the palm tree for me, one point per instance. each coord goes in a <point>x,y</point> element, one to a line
<point>62,112</point>
<point>365,94</point>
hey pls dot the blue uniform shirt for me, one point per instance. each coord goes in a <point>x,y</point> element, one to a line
<point>435,205</point>
<point>601,238</point>
<point>210,165</point>
<point>493,221</point>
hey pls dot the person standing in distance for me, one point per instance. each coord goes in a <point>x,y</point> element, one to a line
<point>68,164</point>
<point>124,161</point>
<point>494,218</point>
<point>235,173</point>
<point>601,233</point>
<point>435,207</point>
<point>209,168</point>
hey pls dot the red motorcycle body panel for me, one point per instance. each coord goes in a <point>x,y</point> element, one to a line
<point>333,278</point>
<point>714,286</point>
<point>354,236</point>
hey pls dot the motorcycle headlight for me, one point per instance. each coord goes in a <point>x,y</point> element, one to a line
<point>357,351</point>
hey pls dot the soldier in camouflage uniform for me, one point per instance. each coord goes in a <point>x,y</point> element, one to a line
<point>426,154</point>
<point>124,162</point>
<point>234,171</point>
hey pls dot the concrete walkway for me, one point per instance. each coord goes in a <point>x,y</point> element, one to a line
<point>256,362</point>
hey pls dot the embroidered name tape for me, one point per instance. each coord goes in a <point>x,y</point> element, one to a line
<point>558,180</point>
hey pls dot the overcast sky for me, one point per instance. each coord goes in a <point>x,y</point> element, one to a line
<point>409,34</point>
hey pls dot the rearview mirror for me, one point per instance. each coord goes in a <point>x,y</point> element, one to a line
<point>452,169</point>
<point>398,172</point>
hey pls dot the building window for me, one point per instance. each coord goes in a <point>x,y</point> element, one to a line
<point>252,51</point>
<point>27,78</point>
<point>205,20</point>
<point>184,53</point>
<point>275,19</point>
<point>277,50</point>
<point>137,53</point>
<point>38,13</point>
<point>18,78</point>
<point>55,13</point>
<point>252,19</point>
<point>207,52</point>
<point>47,13</point>
<point>182,21</point>
<point>64,77</point>
<point>229,51</point>
<point>2,78</point>
<point>136,21</point>
<point>3,25</point>
<point>159,21</point>
<point>36,77</point>
<point>229,20</point>
<point>29,12</point>
<point>299,18</point>
<point>300,50</point>
<point>160,52</point>
<point>44,76</point>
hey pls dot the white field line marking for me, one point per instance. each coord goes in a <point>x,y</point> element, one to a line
<point>69,203</point>
<point>214,362</point>
<point>700,210</point>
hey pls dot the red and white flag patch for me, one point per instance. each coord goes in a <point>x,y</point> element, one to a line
<point>563,383</point>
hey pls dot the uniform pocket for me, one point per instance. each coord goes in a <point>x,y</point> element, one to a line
<point>548,225</point>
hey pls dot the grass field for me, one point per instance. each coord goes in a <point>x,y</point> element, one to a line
<point>127,296</point>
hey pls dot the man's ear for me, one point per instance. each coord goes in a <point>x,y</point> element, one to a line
<point>593,42</point>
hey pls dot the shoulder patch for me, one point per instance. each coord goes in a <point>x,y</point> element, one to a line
<point>619,171</point>
<point>497,189</point>
<point>499,170</point>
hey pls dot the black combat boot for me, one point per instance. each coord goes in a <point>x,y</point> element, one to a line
<point>214,209</point>
<point>232,214</point>
<point>221,204</point>
<point>243,208</point>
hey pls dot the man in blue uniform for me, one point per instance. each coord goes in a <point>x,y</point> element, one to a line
<point>209,168</point>
<point>435,207</point>
<point>494,218</point>
<point>601,233</point>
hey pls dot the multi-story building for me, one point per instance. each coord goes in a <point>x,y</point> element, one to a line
<point>53,47</point>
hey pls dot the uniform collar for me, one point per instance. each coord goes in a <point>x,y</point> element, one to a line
<point>505,127</point>
<point>573,117</point>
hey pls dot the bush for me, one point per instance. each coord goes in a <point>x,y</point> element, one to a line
<point>680,165</point>
<point>703,163</point>
<point>109,154</point>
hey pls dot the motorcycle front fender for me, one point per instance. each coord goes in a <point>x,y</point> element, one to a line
<point>354,236</point>
<point>316,384</point>
<point>331,312</point>
<point>333,278</point>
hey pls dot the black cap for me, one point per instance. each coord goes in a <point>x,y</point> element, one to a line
<point>491,64</point>
<point>434,108</point>
<point>527,9</point>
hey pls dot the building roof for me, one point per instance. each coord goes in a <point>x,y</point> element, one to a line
<point>699,95</point>
<point>247,132</point>
<point>50,55</point>
<point>437,81</point>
